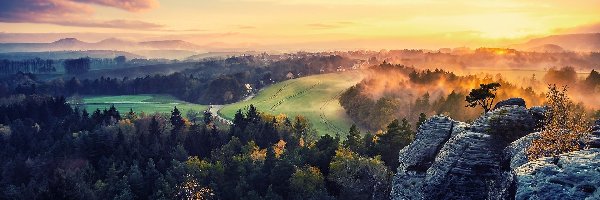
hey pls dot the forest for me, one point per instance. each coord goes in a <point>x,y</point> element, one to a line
<point>396,91</point>
<point>208,82</point>
<point>49,150</point>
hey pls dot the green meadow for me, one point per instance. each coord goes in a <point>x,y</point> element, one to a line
<point>315,97</point>
<point>147,103</point>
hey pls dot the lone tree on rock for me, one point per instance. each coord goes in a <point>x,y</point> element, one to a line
<point>483,96</point>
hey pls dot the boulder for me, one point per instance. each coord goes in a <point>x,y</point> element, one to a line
<point>487,160</point>
<point>516,152</point>
<point>448,161</point>
<point>469,166</point>
<point>417,157</point>
<point>574,175</point>
<point>508,122</point>
<point>510,102</point>
<point>538,113</point>
<point>594,139</point>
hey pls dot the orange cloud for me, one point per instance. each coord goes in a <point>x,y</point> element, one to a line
<point>73,13</point>
<point>128,5</point>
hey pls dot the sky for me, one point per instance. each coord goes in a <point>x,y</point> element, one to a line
<point>299,24</point>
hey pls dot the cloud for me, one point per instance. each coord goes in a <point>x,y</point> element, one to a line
<point>73,12</point>
<point>128,5</point>
<point>246,27</point>
<point>330,25</point>
<point>123,24</point>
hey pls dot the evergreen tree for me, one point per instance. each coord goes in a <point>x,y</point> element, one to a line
<point>252,115</point>
<point>207,118</point>
<point>483,96</point>
<point>355,141</point>
<point>421,120</point>
<point>131,115</point>
<point>113,114</point>
<point>176,119</point>
<point>397,136</point>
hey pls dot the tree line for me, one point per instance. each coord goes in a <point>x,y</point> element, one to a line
<point>209,82</point>
<point>49,150</point>
<point>430,92</point>
<point>36,65</point>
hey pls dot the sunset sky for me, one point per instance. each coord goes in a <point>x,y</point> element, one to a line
<point>310,24</point>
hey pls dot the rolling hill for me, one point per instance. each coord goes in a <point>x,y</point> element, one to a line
<point>572,42</point>
<point>73,44</point>
<point>315,97</point>
<point>68,54</point>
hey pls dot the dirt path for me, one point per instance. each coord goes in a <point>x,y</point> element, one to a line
<point>214,109</point>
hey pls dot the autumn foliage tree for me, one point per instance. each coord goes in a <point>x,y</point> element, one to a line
<point>483,96</point>
<point>564,126</point>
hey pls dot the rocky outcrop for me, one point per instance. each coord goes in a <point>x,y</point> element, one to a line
<point>574,175</point>
<point>455,160</point>
<point>448,160</point>
<point>511,102</point>
<point>594,139</point>
<point>516,151</point>
<point>469,166</point>
<point>508,122</point>
<point>418,157</point>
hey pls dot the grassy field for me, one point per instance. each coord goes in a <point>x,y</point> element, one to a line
<point>147,103</point>
<point>315,97</point>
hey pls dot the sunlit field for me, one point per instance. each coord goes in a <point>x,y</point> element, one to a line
<point>147,103</point>
<point>315,97</point>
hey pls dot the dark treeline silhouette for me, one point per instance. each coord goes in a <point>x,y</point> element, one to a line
<point>49,150</point>
<point>27,66</point>
<point>209,82</point>
<point>77,66</point>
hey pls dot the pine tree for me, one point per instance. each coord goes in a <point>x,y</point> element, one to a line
<point>397,136</point>
<point>207,118</point>
<point>176,119</point>
<point>483,96</point>
<point>131,115</point>
<point>355,141</point>
<point>421,120</point>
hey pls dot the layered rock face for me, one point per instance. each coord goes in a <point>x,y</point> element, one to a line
<point>455,160</point>
<point>511,102</point>
<point>574,175</point>
<point>594,140</point>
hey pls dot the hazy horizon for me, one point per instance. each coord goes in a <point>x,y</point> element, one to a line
<point>298,25</point>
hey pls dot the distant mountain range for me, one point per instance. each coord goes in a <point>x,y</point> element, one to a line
<point>569,42</point>
<point>73,44</point>
<point>68,54</point>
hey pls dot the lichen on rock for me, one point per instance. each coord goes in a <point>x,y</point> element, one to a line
<point>573,175</point>
<point>488,160</point>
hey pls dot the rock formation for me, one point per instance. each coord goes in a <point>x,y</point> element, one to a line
<point>487,160</point>
<point>511,102</point>
<point>574,175</point>
<point>594,140</point>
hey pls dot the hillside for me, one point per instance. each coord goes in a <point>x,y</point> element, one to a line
<point>68,54</point>
<point>572,42</point>
<point>73,44</point>
<point>315,97</point>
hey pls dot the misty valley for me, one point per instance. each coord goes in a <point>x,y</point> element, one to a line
<point>265,125</point>
<point>316,100</point>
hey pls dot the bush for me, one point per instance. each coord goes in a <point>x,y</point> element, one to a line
<point>564,126</point>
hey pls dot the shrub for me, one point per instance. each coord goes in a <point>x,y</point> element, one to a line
<point>564,126</point>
